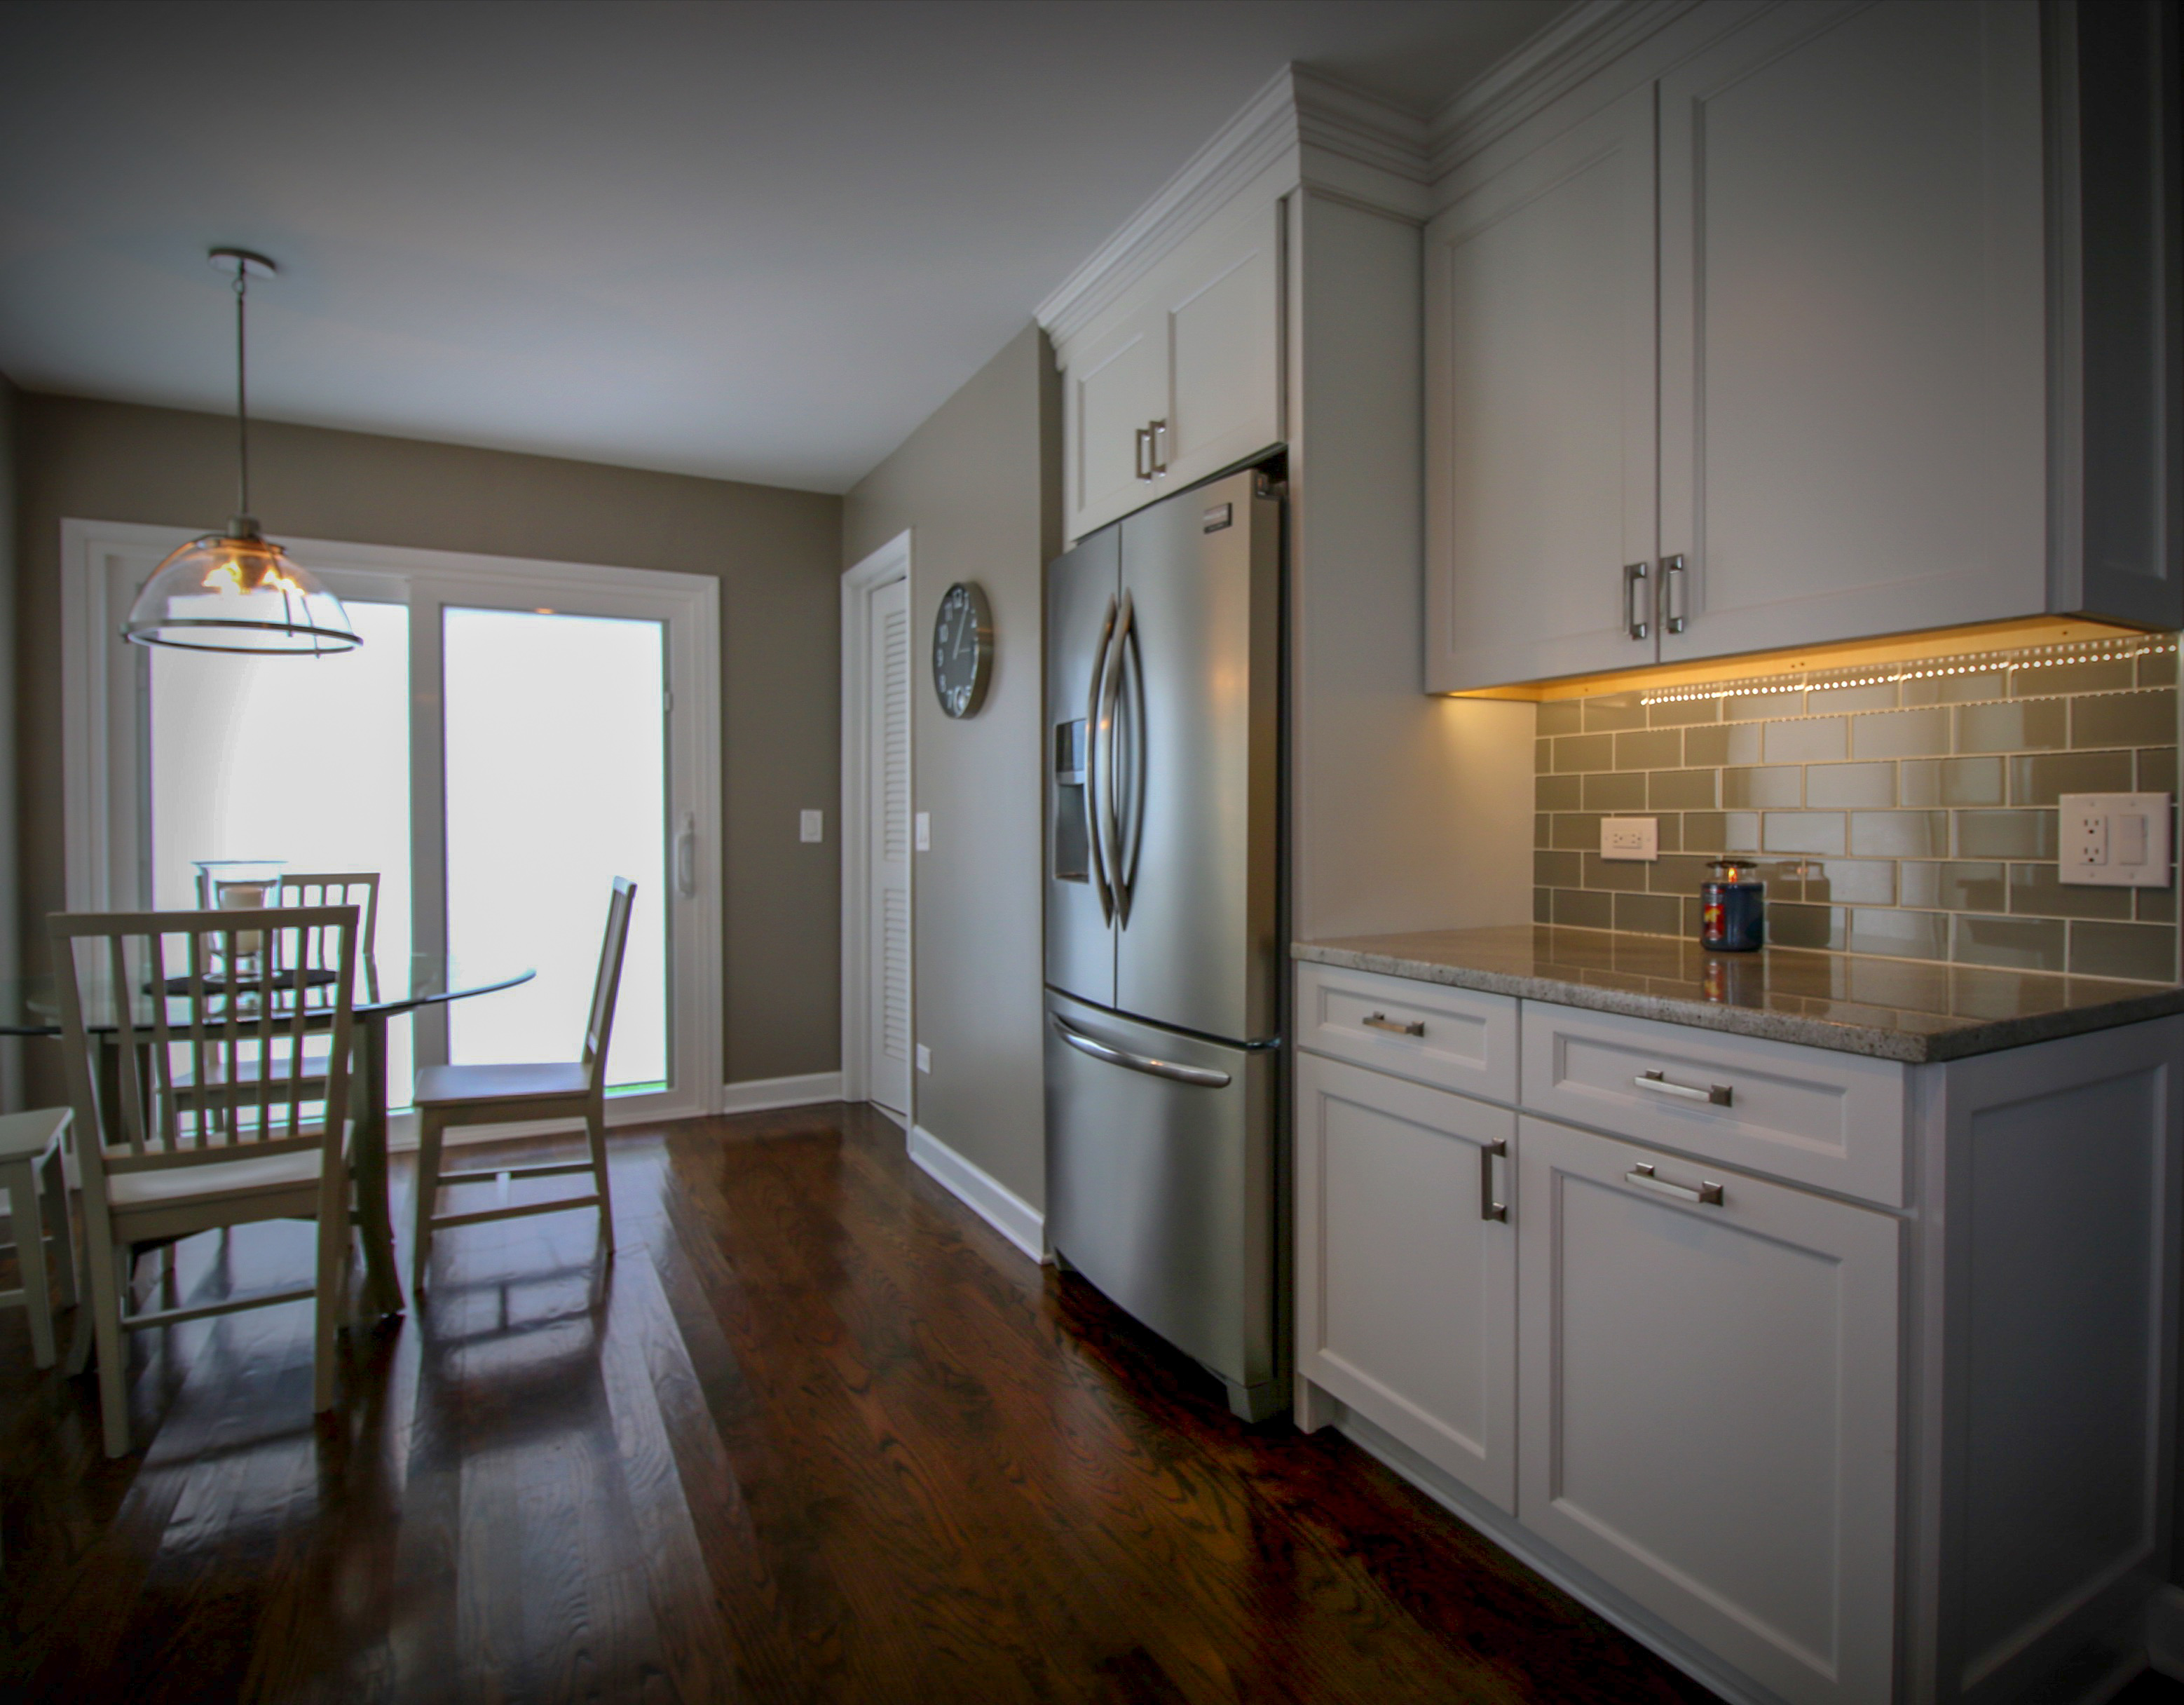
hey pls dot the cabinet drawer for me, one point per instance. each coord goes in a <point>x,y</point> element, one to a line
<point>1835,1121</point>
<point>1455,1038</point>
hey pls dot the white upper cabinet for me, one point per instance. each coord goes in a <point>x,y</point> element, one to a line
<point>1849,433</point>
<point>1182,377</point>
<point>1541,411</point>
<point>1853,402</point>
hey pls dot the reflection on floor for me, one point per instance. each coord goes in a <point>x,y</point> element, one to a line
<point>815,1434</point>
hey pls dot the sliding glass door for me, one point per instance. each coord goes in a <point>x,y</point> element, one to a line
<point>509,738</point>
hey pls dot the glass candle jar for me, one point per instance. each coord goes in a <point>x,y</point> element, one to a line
<point>1732,908</point>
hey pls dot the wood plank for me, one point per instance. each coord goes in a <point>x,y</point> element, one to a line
<point>816,1432</point>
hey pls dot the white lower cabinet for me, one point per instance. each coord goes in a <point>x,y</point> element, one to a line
<point>1867,1406</point>
<point>1706,1391</point>
<point>1410,1311</point>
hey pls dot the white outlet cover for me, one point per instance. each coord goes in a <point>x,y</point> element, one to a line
<point>1630,838</point>
<point>924,1058</point>
<point>2113,840</point>
<point>921,831</point>
<point>811,826</point>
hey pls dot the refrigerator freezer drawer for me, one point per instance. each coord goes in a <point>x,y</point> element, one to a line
<point>1161,1183</point>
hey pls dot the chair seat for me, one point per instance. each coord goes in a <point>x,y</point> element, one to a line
<point>25,1136</point>
<point>260,1175</point>
<point>455,1086</point>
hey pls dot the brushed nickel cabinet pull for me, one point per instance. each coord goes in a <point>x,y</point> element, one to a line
<point>1381,1021</point>
<point>1721,1095</point>
<point>1674,617</point>
<point>1488,1207</point>
<point>1159,433</point>
<point>1708,1194</point>
<point>1145,453</point>
<point>1634,600</point>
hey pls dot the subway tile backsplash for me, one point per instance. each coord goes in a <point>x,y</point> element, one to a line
<point>1914,818</point>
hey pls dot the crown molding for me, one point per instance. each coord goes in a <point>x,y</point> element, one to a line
<point>1336,137</point>
<point>1247,146</point>
<point>1558,59</point>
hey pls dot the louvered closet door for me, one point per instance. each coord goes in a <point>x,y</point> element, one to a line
<point>887,780</point>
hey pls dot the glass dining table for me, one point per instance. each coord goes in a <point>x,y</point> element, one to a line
<point>31,1006</point>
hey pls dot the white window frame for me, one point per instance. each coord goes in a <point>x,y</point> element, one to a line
<point>106,804</point>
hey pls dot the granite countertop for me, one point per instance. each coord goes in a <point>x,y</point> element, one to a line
<point>1890,1009</point>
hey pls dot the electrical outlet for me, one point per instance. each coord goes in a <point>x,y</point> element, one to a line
<point>921,831</point>
<point>924,1058</point>
<point>811,826</point>
<point>1630,838</point>
<point>2114,840</point>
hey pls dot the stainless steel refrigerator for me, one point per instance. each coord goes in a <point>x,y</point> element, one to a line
<point>1163,961</point>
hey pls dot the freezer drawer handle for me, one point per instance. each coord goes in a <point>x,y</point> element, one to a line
<point>1200,1075</point>
<point>1381,1021</point>
<point>1708,1194</point>
<point>1721,1094</point>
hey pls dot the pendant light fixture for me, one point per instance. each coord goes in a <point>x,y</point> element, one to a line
<point>239,591</point>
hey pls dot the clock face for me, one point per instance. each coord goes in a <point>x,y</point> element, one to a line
<point>962,650</point>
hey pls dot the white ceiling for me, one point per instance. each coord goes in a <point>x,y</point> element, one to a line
<point>755,241</point>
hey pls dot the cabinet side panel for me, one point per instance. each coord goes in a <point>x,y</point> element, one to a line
<point>1410,812</point>
<point>2059,1206</point>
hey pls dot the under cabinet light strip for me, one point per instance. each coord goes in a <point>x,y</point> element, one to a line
<point>1922,669</point>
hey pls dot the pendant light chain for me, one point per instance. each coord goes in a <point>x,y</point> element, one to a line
<point>242,396</point>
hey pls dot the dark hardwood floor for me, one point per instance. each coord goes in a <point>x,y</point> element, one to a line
<point>815,1434</point>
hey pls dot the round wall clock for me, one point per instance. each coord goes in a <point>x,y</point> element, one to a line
<point>962,650</point>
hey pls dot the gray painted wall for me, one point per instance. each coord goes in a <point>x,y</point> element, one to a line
<point>978,486</point>
<point>775,553</point>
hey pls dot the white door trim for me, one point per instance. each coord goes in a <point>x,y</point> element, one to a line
<point>890,562</point>
<point>104,803</point>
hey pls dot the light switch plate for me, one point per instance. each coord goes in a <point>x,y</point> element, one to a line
<point>924,1058</point>
<point>1630,838</point>
<point>811,826</point>
<point>2113,840</point>
<point>921,831</point>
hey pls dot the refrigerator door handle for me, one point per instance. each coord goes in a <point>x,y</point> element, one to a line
<point>1092,768</point>
<point>1130,742</point>
<point>1200,1075</point>
<point>1107,829</point>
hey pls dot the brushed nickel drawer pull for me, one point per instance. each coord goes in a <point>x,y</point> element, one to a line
<point>1488,1207</point>
<point>1381,1021</point>
<point>1708,1194</point>
<point>1721,1094</point>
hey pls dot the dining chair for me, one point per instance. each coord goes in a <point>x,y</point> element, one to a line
<point>251,1140</point>
<point>448,1095</point>
<point>357,887</point>
<point>30,1145</point>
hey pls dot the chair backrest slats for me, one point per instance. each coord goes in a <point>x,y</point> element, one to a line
<point>213,1059</point>
<point>600,1031</point>
<point>333,887</point>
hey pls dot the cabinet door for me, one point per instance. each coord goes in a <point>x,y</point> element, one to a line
<point>1221,313</point>
<point>1407,1304</point>
<point>1854,340</point>
<point>1114,387</point>
<point>1707,1393</point>
<point>1539,332</point>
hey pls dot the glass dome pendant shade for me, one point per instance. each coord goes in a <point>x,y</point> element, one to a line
<point>239,591</point>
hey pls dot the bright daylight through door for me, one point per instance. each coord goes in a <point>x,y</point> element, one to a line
<point>304,760</point>
<point>556,755</point>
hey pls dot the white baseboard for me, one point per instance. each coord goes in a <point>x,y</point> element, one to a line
<point>980,1192</point>
<point>2164,1631</point>
<point>759,1094</point>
